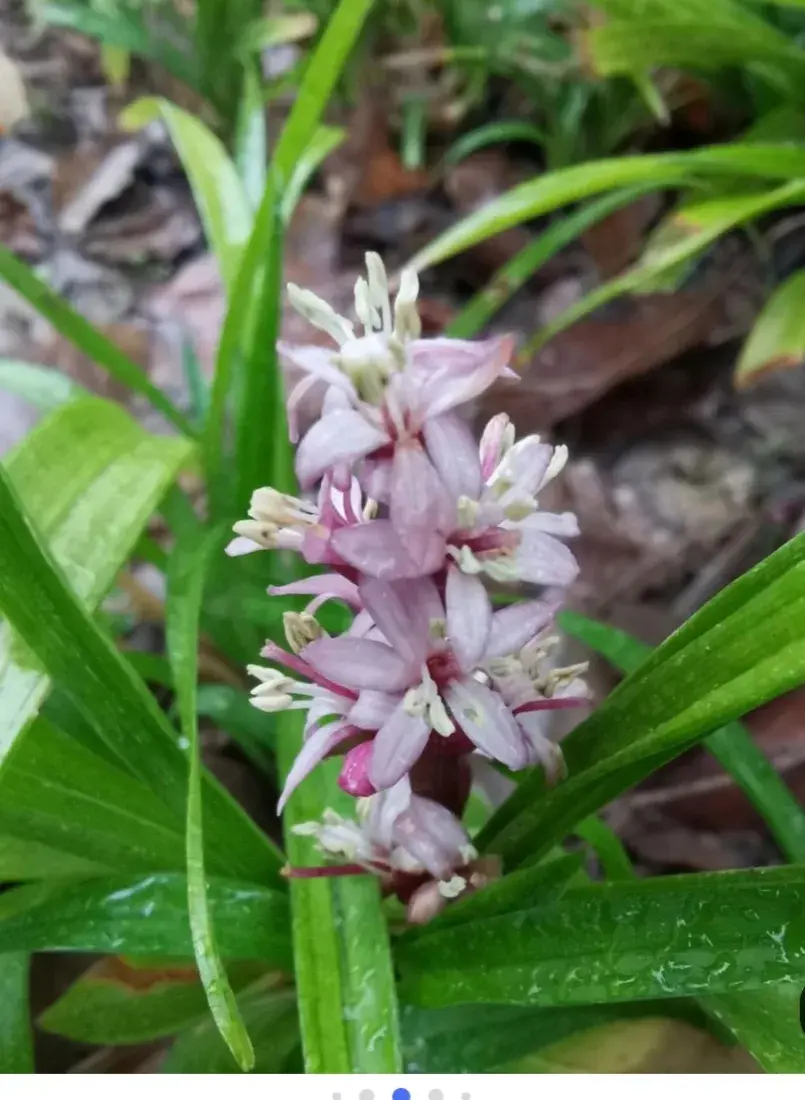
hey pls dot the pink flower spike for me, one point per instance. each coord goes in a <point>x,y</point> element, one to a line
<point>339,437</point>
<point>516,625</point>
<point>398,745</point>
<point>358,663</point>
<point>421,510</point>
<point>319,744</point>
<point>497,437</point>
<point>240,546</point>
<point>275,653</point>
<point>454,453</point>
<point>487,721</point>
<point>354,776</point>
<point>469,617</point>
<point>375,549</point>
<point>560,703</point>
<point>473,369</point>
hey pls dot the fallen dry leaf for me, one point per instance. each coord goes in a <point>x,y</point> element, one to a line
<point>13,97</point>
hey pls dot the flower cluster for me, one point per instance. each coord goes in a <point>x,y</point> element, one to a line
<point>409,518</point>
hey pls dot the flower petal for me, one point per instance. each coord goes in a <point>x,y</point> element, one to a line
<point>320,742</point>
<point>325,586</point>
<point>375,549</point>
<point>339,437</point>
<point>469,617</point>
<point>487,721</point>
<point>402,612</point>
<point>241,545</point>
<point>421,510</point>
<point>469,371</point>
<point>562,524</point>
<point>359,663</point>
<point>454,453</point>
<point>516,625</point>
<point>372,709</point>
<point>398,745</point>
<point>542,559</point>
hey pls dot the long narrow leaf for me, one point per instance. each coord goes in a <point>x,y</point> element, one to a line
<point>732,745</point>
<point>186,575</point>
<point>86,337</point>
<point>55,626</point>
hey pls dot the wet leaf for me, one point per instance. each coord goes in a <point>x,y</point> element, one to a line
<point>273,1024</point>
<point>25,860</point>
<point>743,648</point>
<point>688,935</point>
<point>187,573</point>
<point>144,915</point>
<point>767,1023</point>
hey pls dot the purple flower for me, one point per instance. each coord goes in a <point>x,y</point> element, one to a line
<point>496,527</point>
<point>387,406</point>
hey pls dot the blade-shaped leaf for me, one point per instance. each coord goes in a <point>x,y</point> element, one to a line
<point>114,1003</point>
<point>57,793</point>
<point>146,916</point>
<point>187,571</point>
<point>26,860</point>
<point>42,386</point>
<point>552,190</point>
<point>16,1044</point>
<point>344,977</point>
<point>777,340</point>
<point>608,942</point>
<point>743,648</point>
<point>222,203</point>
<point>767,1023</point>
<point>732,745</point>
<point>85,336</point>
<point>271,1017</point>
<point>55,626</point>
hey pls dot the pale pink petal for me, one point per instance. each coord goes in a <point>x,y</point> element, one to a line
<point>375,478</point>
<point>372,709</point>
<point>316,362</point>
<point>375,549</point>
<point>433,818</point>
<point>469,617</point>
<point>340,437</point>
<point>562,524</point>
<point>525,465</point>
<point>470,375</point>
<point>492,443</point>
<point>542,559</point>
<point>487,721</point>
<point>320,742</point>
<point>421,510</point>
<point>516,625</point>
<point>241,545</point>
<point>397,746</point>
<point>359,663</point>
<point>331,586</point>
<point>401,612</point>
<point>454,453</point>
<point>387,808</point>
<point>354,775</point>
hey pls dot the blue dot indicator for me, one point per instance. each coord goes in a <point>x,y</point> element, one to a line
<point>401,1094</point>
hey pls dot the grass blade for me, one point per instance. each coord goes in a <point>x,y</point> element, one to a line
<point>16,1043</point>
<point>516,273</point>
<point>186,575</point>
<point>44,387</point>
<point>732,745</point>
<point>86,337</point>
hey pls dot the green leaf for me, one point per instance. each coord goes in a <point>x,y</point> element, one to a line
<point>482,1038</point>
<point>114,1004</point>
<point>677,241</point>
<point>552,190</point>
<point>26,860</point>
<point>42,386</point>
<point>732,745</point>
<point>278,30</point>
<point>513,275</point>
<point>777,340</point>
<point>146,916</point>
<point>91,509</point>
<point>766,1022</point>
<point>688,935</point>
<point>231,710</point>
<point>247,366</point>
<point>324,141</point>
<point>57,793</point>
<point>344,976</point>
<point>85,336</point>
<point>271,1018</point>
<point>187,571</point>
<point>123,27</point>
<point>493,133</point>
<point>743,648</point>
<point>83,661</point>
<point>251,151</point>
<point>16,1043</point>
<point>221,200</point>
<point>607,846</point>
